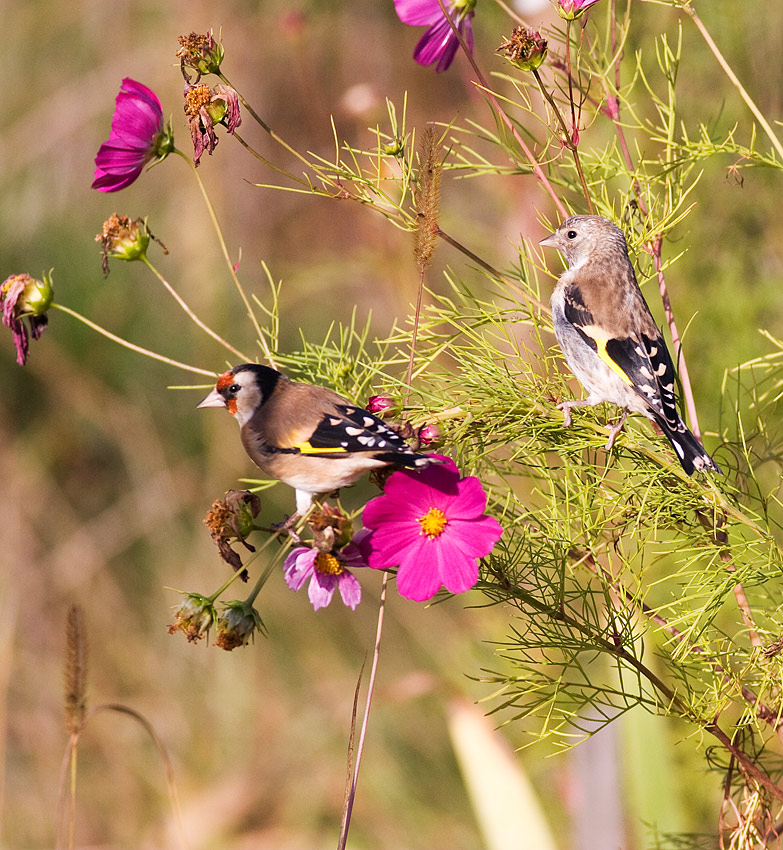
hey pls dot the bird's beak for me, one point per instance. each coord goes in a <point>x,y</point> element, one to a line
<point>214,399</point>
<point>551,241</point>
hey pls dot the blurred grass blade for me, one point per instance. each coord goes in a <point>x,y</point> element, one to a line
<point>507,810</point>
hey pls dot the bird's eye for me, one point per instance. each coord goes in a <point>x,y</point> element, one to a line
<point>234,388</point>
<point>572,234</point>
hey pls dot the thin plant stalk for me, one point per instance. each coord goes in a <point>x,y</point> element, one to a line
<point>568,140</point>
<point>536,168</point>
<point>264,126</point>
<point>178,298</point>
<point>757,114</point>
<point>366,717</point>
<point>124,342</point>
<point>232,271</point>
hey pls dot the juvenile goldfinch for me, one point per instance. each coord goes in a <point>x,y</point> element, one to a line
<point>610,339</point>
<point>306,436</point>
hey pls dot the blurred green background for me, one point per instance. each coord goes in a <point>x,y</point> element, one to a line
<point>106,474</point>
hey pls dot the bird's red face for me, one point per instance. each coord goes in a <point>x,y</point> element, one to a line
<point>223,386</point>
<point>224,394</point>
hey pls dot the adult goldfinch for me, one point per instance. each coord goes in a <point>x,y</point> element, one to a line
<point>304,435</point>
<point>610,339</point>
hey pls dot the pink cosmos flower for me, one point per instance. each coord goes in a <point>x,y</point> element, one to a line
<point>327,572</point>
<point>137,137</point>
<point>432,524</point>
<point>439,43</point>
<point>570,10</point>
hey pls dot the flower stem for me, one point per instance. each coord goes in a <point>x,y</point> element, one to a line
<point>227,258</point>
<point>257,118</point>
<point>365,718</point>
<point>757,114</point>
<point>262,579</point>
<point>124,342</point>
<point>251,150</point>
<point>567,138</point>
<point>193,316</point>
<point>536,168</point>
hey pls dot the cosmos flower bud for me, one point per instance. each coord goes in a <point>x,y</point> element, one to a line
<point>383,405</point>
<point>570,10</point>
<point>526,49</point>
<point>24,297</point>
<point>237,624</point>
<point>430,436</point>
<point>123,239</point>
<point>205,107</point>
<point>194,617</point>
<point>200,53</point>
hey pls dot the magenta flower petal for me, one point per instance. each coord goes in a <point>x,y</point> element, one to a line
<point>439,43</point>
<point>419,584</point>
<point>321,589</point>
<point>298,566</point>
<point>432,524</point>
<point>350,589</point>
<point>137,137</point>
<point>327,572</point>
<point>418,13</point>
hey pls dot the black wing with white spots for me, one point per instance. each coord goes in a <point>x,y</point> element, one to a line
<point>649,368</point>
<point>351,429</point>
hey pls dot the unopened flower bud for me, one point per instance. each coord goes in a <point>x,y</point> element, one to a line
<point>570,10</point>
<point>237,624</point>
<point>194,617</point>
<point>526,49</point>
<point>429,436</point>
<point>383,405</point>
<point>201,53</point>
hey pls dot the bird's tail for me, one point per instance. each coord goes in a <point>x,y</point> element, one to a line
<point>411,461</point>
<point>690,452</point>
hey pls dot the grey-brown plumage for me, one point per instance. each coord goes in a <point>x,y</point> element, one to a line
<point>304,435</point>
<point>610,339</point>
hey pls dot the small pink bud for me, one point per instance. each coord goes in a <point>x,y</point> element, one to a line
<point>382,405</point>
<point>430,436</point>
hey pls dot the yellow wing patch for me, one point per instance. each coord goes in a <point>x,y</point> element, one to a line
<point>306,449</point>
<point>601,337</point>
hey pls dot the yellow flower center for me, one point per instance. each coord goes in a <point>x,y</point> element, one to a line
<point>197,97</point>
<point>328,564</point>
<point>433,523</point>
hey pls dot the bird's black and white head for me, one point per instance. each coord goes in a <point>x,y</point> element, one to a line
<point>243,390</point>
<point>584,236</point>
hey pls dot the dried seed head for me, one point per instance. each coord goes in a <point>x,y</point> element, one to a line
<point>428,197</point>
<point>75,670</point>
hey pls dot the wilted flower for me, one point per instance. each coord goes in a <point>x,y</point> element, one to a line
<point>382,405</point>
<point>231,518</point>
<point>201,53</point>
<point>570,10</point>
<point>439,43</point>
<point>526,48</point>
<point>124,239</point>
<point>237,624</point>
<point>432,524</point>
<point>24,297</point>
<point>137,137</point>
<point>205,107</point>
<point>194,617</point>
<point>327,571</point>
